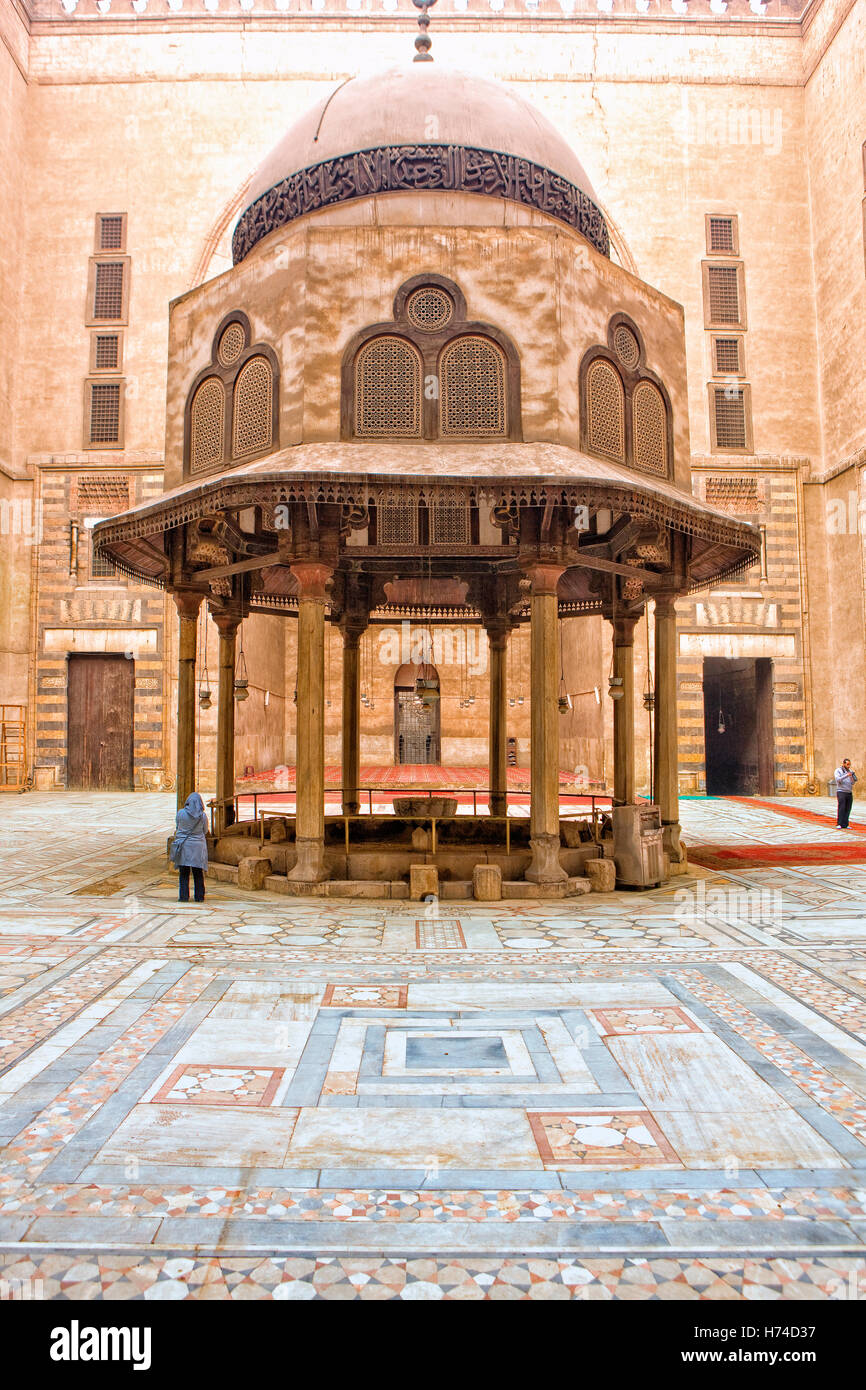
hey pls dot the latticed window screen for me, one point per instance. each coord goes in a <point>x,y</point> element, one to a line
<point>727,354</point>
<point>252,417</point>
<point>722,234</point>
<point>107,351</point>
<point>108,290</point>
<point>730,409</point>
<point>472,388</point>
<point>111,232</point>
<point>100,568</point>
<point>398,525</point>
<point>429,308</point>
<point>231,344</point>
<point>388,389</point>
<point>449,524</point>
<point>105,413</point>
<point>649,420</point>
<point>626,345</point>
<point>724,293</point>
<point>207,419</point>
<point>605,403</point>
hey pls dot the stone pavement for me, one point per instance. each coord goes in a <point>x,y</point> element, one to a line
<point>657,1095</point>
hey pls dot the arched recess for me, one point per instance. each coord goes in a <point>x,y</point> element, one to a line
<point>417,727</point>
<point>387,389</point>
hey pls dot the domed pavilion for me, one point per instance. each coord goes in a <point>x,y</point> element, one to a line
<point>426,389</point>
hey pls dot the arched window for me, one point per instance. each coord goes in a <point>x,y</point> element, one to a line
<point>649,421</point>
<point>207,419</point>
<point>472,389</point>
<point>605,404</point>
<point>387,389</point>
<point>252,413</point>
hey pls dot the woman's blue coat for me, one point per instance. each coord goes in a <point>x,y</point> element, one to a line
<point>189,847</point>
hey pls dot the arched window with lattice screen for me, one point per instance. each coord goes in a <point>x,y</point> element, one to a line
<point>650,429</point>
<point>207,420</point>
<point>605,409</point>
<point>472,399</point>
<point>252,413</point>
<point>388,389</point>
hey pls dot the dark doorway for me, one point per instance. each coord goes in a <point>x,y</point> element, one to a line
<point>416,725</point>
<point>738,726</point>
<point>99,728</point>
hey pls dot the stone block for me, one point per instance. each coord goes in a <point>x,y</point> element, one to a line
<point>356,888</point>
<point>576,887</point>
<point>421,839</point>
<point>399,889</point>
<point>487,883</point>
<point>278,832</point>
<point>423,881</point>
<point>601,875</point>
<point>456,888</point>
<point>252,872</point>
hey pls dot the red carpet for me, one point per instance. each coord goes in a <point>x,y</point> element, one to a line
<point>774,856</point>
<point>816,817</point>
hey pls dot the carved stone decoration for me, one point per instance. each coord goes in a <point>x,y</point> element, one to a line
<point>412,168</point>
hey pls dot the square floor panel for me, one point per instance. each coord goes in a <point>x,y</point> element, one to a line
<point>601,1139</point>
<point>444,1053</point>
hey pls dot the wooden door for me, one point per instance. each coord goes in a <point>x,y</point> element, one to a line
<point>99,727</point>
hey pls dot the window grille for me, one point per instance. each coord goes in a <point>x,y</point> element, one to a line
<point>626,345</point>
<point>105,413</point>
<point>724,293</point>
<point>388,389</point>
<point>252,417</point>
<point>721,235</point>
<point>727,355</point>
<point>207,420</point>
<point>397,525</point>
<point>100,566</point>
<point>111,232</point>
<point>472,389</point>
<point>649,419</point>
<point>108,290</point>
<point>107,355</point>
<point>429,308</point>
<point>605,411</point>
<point>231,344</point>
<point>730,411</point>
<point>449,524</point>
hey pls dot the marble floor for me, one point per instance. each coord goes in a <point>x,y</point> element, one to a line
<point>620,1096</point>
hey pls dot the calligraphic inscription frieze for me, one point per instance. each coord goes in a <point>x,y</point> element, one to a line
<point>396,168</point>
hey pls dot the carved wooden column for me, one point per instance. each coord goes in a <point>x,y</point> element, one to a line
<point>351,757</point>
<point>544,742</point>
<point>623,711</point>
<point>312,576</point>
<point>665,740</point>
<point>227,624</point>
<point>497,743</point>
<point>188,603</point>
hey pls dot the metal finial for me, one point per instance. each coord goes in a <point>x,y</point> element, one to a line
<point>423,43</point>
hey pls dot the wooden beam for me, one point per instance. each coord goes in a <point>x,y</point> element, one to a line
<point>256,562</point>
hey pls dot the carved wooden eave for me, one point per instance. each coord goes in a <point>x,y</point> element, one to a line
<point>497,475</point>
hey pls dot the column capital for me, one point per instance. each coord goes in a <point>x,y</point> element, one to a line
<point>624,625</point>
<point>226,621</point>
<point>188,602</point>
<point>498,629</point>
<point>313,577</point>
<point>666,603</point>
<point>543,576</point>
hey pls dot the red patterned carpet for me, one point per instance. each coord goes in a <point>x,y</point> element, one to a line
<point>797,812</point>
<point>774,856</point>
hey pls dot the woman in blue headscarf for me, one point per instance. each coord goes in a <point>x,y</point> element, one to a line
<point>189,847</point>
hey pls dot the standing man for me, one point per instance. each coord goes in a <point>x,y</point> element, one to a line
<point>845,779</point>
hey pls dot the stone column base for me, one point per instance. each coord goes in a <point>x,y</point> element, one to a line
<point>673,846</point>
<point>310,865</point>
<point>545,866</point>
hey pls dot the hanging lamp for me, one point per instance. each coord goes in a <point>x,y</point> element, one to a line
<point>564,701</point>
<point>614,683</point>
<point>204,690</point>
<point>241,682</point>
